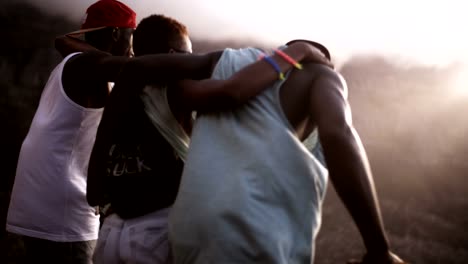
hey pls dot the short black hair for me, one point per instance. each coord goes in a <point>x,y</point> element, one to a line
<point>319,46</point>
<point>157,34</point>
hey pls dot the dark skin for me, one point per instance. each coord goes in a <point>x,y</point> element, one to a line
<point>204,95</point>
<point>85,76</point>
<point>317,97</point>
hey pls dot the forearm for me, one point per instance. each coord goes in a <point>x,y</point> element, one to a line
<point>158,68</point>
<point>171,67</point>
<point>213,95</point>
<point>351,176</point>
<point>217,95</point>
<point>66,45</point>
<point>254,78</point>
<point>95,187</point>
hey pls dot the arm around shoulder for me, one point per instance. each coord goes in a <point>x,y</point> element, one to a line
<point>96,66</point>
<point>66,45</point>
<point>214,95</point>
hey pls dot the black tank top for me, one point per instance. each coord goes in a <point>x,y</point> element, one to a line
<point>143,170</point>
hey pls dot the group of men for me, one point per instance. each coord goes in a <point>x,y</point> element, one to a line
<point>232,183</point>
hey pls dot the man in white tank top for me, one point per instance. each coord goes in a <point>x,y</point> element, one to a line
<point>252,193</point>
<point>48,206</point>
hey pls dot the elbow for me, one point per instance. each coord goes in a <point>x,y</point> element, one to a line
<point>93,192</point>
<point>95,197</point>
<point>233,94</point>
<point>228,96</point>
<point>92,196</point>
<point>131,71</point>
<point>337,135</point>
<point>232,99</point>
<point>92,200</point>
<point>342,148</point>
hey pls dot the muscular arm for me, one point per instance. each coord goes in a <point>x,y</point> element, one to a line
<point>66,45</point>
<point>95,66</point>
<point>212,95</point>
<point>346,158</point>
<point>85,75</point>
<point>96,193</point>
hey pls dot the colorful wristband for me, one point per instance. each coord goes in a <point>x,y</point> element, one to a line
<point>287,58</point>
<point>275,65</point>
<point>262,56</point>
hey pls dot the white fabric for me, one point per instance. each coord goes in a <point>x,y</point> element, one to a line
<point>48,200</point>
<point>141,240</point>
<point>251,192</point>
<point>159,112</point>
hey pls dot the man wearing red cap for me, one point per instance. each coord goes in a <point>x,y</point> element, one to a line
<point>48,206</point>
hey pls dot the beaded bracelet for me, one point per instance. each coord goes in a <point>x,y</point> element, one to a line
<point>275,65</point>
<point>288,58</point>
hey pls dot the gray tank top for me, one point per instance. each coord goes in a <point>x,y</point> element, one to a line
<point>250,189</point>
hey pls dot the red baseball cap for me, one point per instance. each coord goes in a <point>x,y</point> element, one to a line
<point>107,13</point>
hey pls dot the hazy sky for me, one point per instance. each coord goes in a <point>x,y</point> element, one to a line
<point>428,31</point>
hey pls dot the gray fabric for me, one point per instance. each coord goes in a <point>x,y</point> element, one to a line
<point>158,110</point>
<point>251,192</point>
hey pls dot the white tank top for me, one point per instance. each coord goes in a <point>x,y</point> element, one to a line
<point>250,189</point>
<point>48,200</point>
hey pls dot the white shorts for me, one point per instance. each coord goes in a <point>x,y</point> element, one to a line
<point>138,240</point>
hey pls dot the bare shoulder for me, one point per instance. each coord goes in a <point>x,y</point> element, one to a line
<point>323,74</point>
<point>85,60</point>
<point>83,64</point>
<point>83,79</point>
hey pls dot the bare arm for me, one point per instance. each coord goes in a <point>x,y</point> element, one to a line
<point>66,45</point>
<point>96,193</point>
<point>347,162</point>
<point>100,65</point>
<point>85,75</point>
<point>209,94</point>
<point>164,67</point>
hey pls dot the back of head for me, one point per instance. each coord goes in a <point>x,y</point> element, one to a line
<point>160,34</point>
<point>106,23</point>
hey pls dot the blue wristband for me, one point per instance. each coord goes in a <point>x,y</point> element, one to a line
<point>275,65</point>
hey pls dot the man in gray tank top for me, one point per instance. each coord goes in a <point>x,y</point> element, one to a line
<point>252,193</point>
